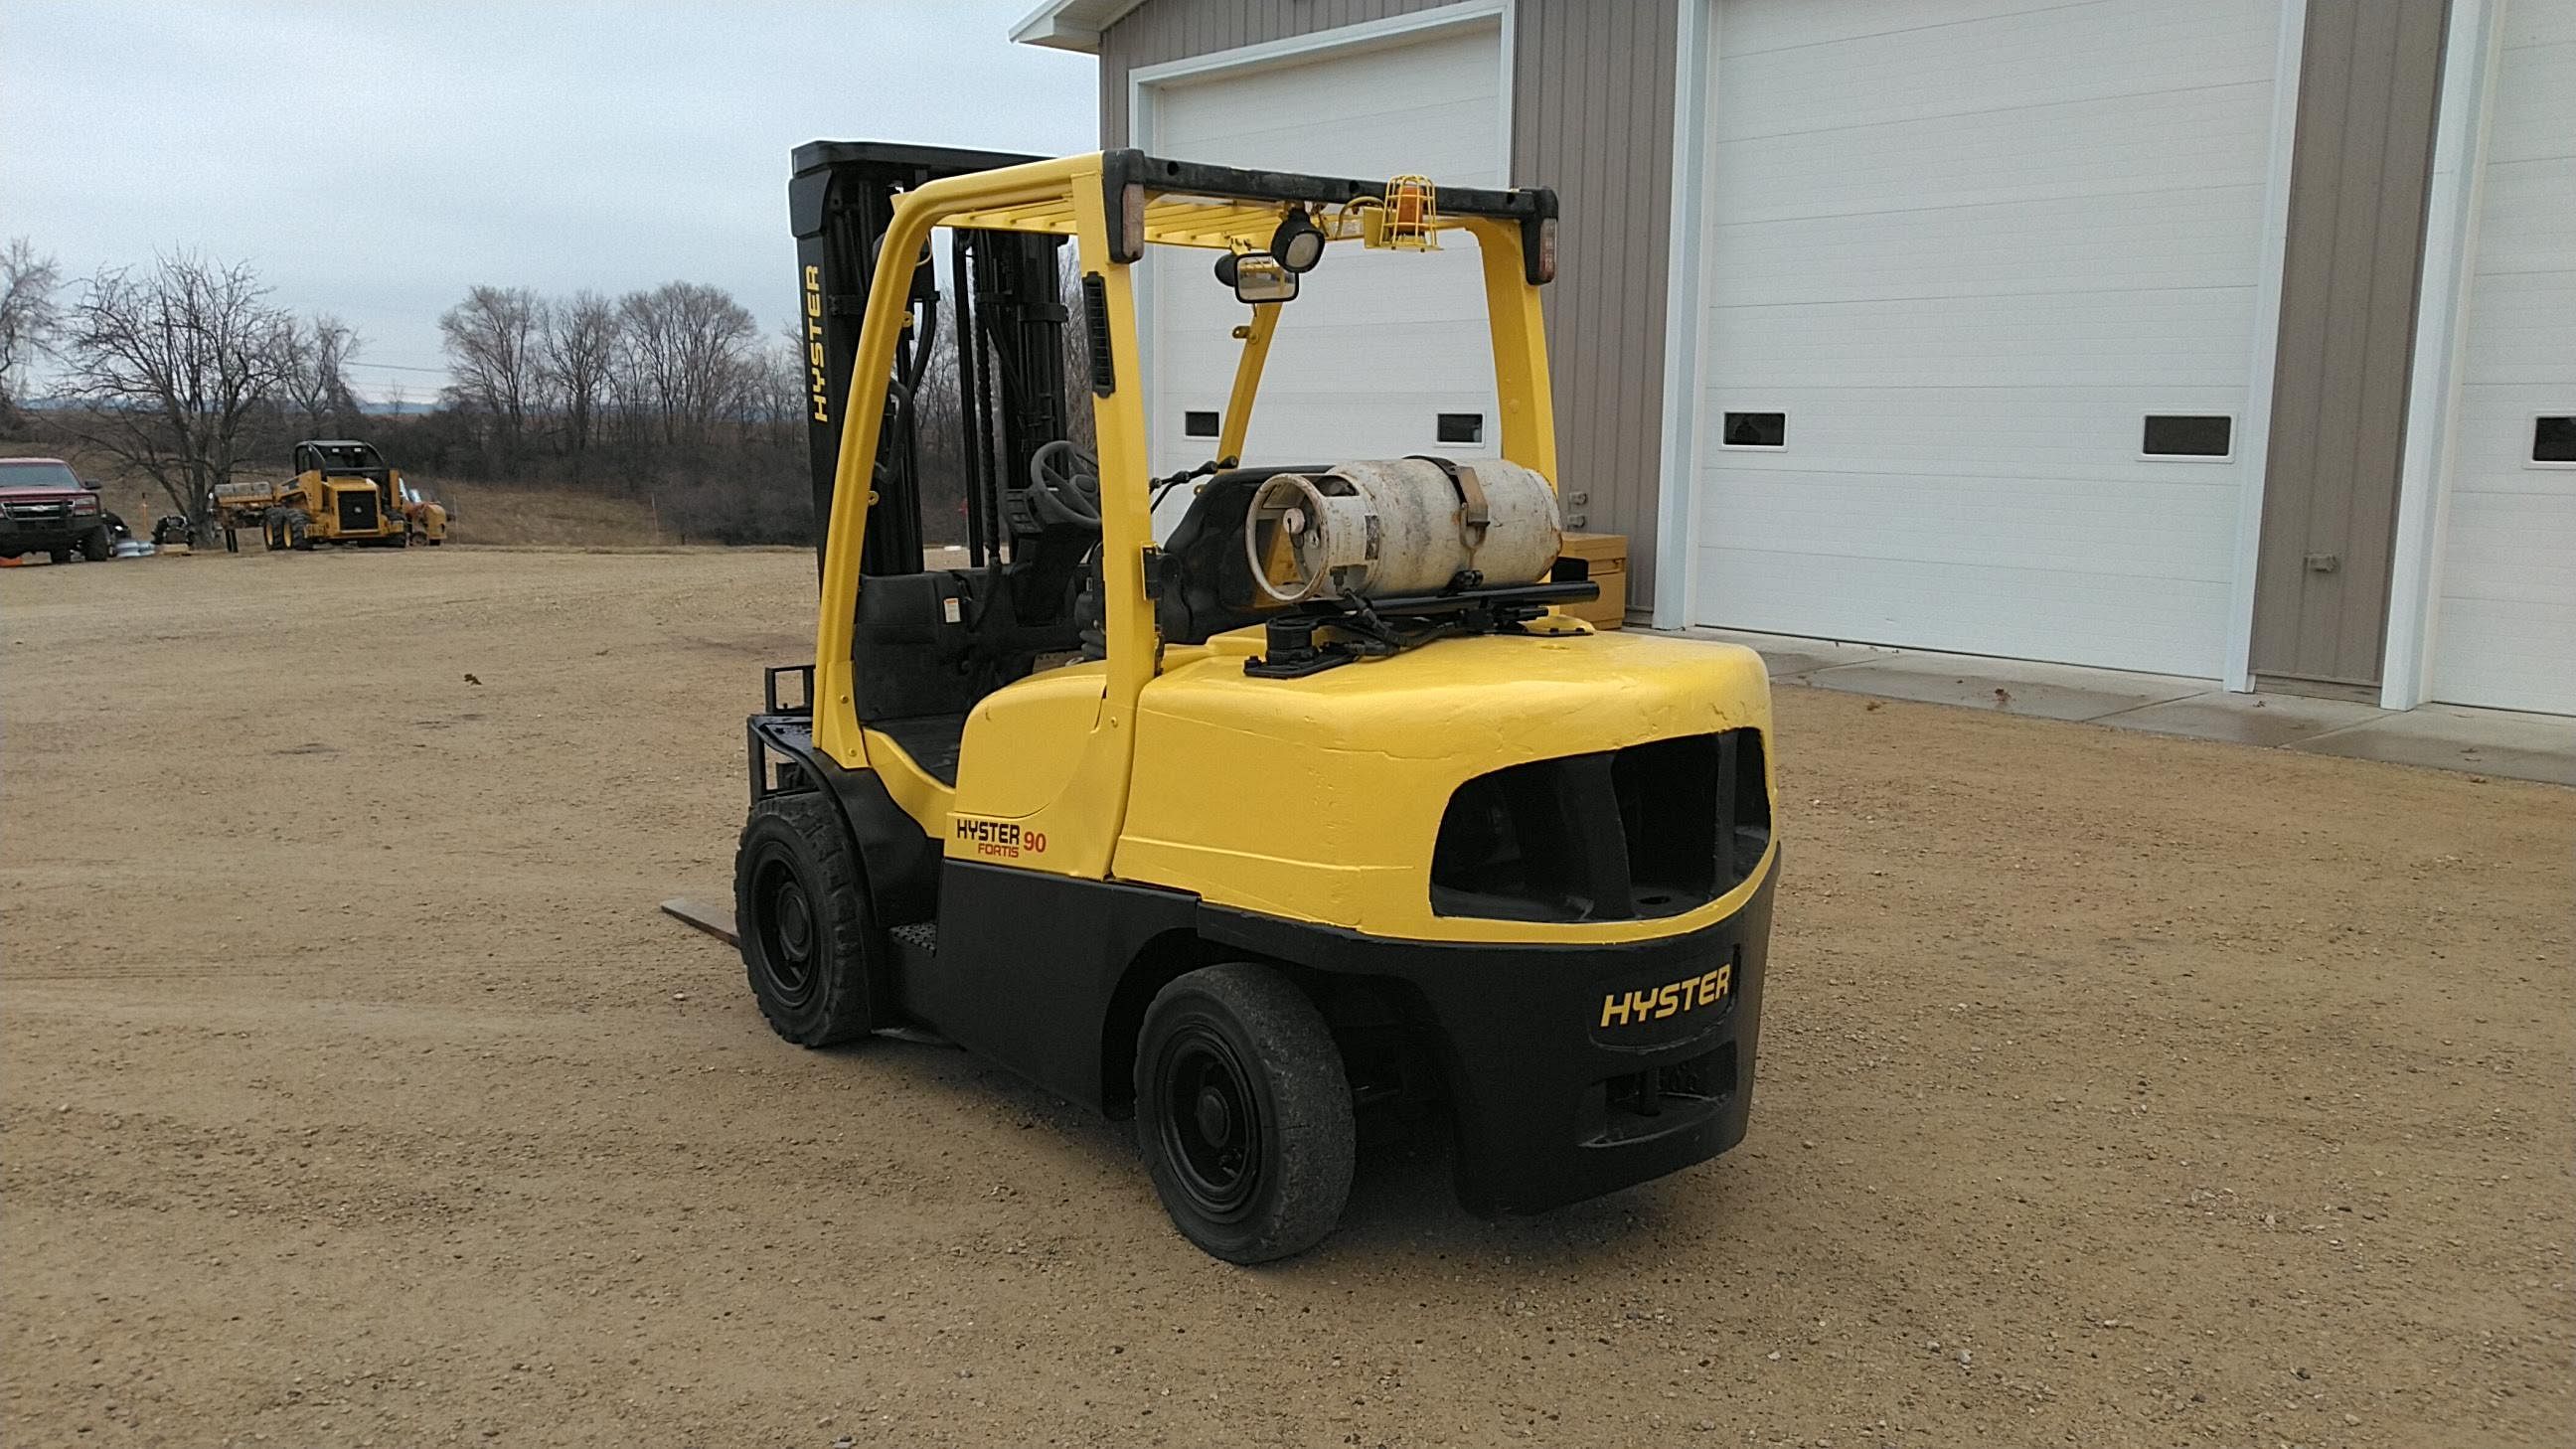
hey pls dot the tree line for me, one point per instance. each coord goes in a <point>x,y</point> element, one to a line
<point>186,372</point>
<point>669,393</point>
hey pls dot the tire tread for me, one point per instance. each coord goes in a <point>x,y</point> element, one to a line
<point>1308,1090</point>
<point>840,905</point>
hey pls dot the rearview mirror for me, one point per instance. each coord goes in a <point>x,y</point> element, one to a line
<point>1256,278</point>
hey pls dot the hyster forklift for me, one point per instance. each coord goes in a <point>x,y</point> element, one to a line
<point>1317,805</point>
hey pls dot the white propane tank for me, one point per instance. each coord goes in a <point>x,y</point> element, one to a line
<point>1400,526</point>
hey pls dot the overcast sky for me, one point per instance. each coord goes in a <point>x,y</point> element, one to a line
<point>374,160</point>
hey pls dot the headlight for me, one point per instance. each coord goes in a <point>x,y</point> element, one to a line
<point>86,503</point>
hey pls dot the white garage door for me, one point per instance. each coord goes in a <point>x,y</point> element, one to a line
<point>2505,634</point>
<point>1965,247</point>
<point>1377,345</point>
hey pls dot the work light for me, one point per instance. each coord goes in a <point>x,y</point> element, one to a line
<point>1297,243</point>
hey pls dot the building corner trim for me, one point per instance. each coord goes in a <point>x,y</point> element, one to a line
<point>1685,320</point>
<point>2441,334</point>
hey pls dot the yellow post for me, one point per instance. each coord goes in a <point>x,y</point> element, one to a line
<point>1126,516</point>
<point>1247,380</point>
<point>1520,349</point>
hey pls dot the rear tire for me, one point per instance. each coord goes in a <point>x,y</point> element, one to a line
<point>810,945</point>
<point>58,555</point>
<point>1243,1112</point>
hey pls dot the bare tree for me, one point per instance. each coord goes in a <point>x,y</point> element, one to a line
<point>577,350</point>
<point>172,365</point>
<point>770,400</point>
<point>491,339</point>
<point>685,349</point>
<point>313,373</point>
<point>29,317</point>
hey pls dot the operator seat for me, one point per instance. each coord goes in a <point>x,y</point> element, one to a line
<point>926,647</point>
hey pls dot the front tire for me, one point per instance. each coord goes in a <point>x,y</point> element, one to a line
<point>96,546</point>
<point>809,943</point>
<point>1243,1113</point>
<point>299,535</point>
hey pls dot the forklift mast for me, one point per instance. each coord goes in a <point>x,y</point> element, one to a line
<point>1008,313</point>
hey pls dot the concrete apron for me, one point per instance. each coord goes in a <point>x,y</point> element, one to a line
<point>2494,742</point>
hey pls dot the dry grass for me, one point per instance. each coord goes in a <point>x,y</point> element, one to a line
<point>512,514</point>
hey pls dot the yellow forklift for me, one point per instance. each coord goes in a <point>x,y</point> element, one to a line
<point>1318,806</point>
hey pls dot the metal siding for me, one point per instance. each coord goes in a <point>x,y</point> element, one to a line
<point>1592,116</point>
<point>2360,175</point>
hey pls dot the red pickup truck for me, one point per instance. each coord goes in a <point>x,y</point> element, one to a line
<point>45,508</point>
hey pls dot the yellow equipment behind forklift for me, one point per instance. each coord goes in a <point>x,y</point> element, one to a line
<point>343,491</point>
<point>1320,803</point>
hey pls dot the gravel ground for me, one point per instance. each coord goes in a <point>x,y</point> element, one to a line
<point>2115,1089</point>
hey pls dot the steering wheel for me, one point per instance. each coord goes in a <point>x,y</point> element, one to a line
<point>1064,484</point>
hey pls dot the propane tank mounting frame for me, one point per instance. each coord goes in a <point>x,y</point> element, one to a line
<point>1376,628</point>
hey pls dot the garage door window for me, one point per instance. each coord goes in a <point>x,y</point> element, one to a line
<point>1198,424</point>
<point>2209,437</point>
<point>1755,430</point>
<point>2553,439</point>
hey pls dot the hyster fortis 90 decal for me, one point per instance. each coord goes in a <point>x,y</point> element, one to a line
<point>1000,838</point>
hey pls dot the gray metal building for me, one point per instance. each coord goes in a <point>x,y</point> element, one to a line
<point>2231,338</point>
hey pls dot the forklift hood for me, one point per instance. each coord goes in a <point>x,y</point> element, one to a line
<point>1344,798</point>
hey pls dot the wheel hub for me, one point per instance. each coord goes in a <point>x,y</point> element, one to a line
<point>1211,1122</point>
<point>786,928</point>
<point>1216,1120</point>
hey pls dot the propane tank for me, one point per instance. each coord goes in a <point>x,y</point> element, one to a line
<point>1394,527</point>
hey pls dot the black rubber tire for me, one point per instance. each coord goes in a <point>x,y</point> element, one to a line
<point>232,541</point>
<point>58,555</point>
<point>1247,1034</point>
<point>809,943</point>
<point>96,546</point>
<point>272,534</point>
<point>298,533</point>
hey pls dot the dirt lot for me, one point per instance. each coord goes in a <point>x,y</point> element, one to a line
<point>2115,1090</point>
